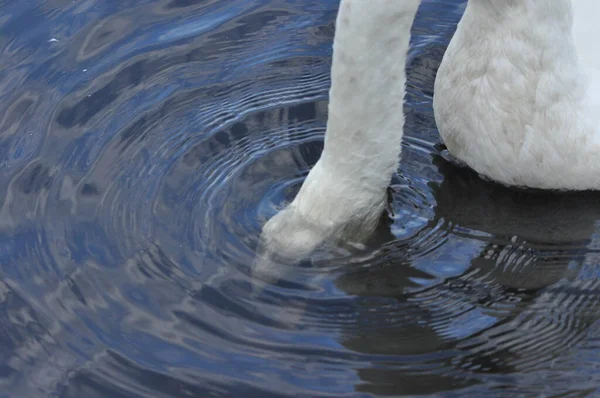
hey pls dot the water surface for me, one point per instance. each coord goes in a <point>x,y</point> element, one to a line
<point>142,145</point>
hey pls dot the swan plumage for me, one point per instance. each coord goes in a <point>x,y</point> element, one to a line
<point>516,98</point>
<point>517,95</point>
<point>344,194</point>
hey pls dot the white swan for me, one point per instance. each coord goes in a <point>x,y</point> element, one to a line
<point>344,194</point>
<point>517,96</point>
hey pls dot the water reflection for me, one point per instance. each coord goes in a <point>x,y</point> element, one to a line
<point>142,145</point>
<point>520,304</point>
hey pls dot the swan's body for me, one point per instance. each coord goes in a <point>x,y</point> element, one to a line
<point>344,194</point>
<point>517,96</point>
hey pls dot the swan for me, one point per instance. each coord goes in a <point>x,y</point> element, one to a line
<point>517,95</point>
<point>345,193</point>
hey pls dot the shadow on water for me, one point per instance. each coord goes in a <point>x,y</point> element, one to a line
<point>525,299</point>
<point>142,145</point>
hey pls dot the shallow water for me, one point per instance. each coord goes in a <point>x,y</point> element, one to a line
<point>142,145</point>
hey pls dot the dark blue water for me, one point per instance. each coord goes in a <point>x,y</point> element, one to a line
<point>142,145</point>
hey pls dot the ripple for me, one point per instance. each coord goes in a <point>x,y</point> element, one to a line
<point>142,146</point>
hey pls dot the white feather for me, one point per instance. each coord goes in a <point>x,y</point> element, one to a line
<point>517,96</point>
<point>344,194</point>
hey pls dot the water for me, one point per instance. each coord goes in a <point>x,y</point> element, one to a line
<point>142,145</point>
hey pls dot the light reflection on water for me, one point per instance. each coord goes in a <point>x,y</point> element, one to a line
<point>142,145</point>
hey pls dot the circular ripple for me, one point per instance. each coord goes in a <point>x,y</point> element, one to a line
<point>142,147</point>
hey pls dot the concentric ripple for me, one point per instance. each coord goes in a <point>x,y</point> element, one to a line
<point>143,143</point>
